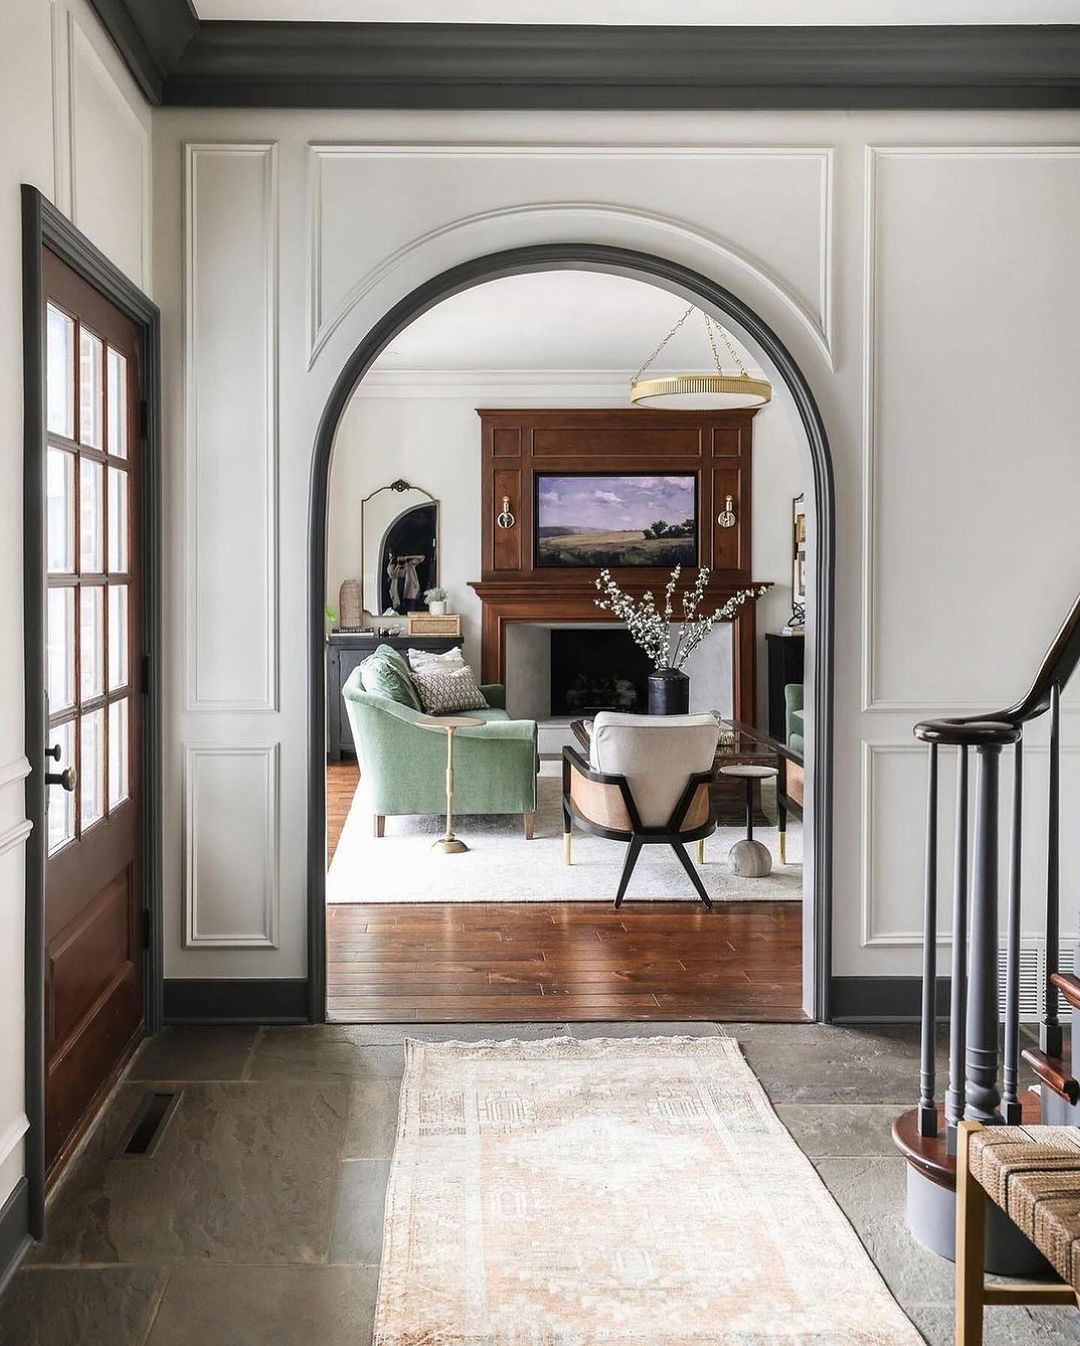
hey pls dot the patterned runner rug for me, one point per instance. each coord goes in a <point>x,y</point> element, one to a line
<point>612,1192</point>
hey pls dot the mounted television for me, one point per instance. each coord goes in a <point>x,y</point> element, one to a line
<point>624,519</point>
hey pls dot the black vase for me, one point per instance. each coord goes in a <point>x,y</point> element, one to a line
<point>669,692</point>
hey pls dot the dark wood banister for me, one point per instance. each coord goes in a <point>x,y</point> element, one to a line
<point>972,1088</point>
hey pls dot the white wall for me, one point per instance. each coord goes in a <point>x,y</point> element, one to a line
<point>72,125</point>
<point>406,424</point>
<point>921,269</point>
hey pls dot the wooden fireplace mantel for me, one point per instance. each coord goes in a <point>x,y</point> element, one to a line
<point>574,600</point>
<point>517,446</point>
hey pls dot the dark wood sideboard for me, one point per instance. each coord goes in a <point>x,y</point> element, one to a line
<point>344,651</point>
<point>786,655</point>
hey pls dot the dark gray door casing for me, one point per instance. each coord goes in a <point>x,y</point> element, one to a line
<point>642,266</point>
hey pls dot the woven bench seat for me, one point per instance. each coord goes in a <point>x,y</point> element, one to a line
<point>1032,1173</point>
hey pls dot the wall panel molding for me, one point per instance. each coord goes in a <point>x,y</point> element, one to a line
<point>14,771</point>
<point>875,155</point>
<point>817,320</point>
<point>234,857</point>
<point>872,936</point>
<point>257,662</point>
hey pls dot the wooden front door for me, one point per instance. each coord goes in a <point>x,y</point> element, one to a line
<point>93,881</point>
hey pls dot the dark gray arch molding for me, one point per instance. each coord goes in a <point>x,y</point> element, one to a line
<point>583,257</point>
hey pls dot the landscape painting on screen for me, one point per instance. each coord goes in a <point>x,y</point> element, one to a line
<point>626,520</point>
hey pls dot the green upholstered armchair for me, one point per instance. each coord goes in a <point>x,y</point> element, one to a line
<point>404,765</point>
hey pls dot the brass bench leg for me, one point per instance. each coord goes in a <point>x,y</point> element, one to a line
<point>701,851</point>
<point>970,1245</point>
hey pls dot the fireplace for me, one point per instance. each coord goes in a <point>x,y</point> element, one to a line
<point>597,669</point>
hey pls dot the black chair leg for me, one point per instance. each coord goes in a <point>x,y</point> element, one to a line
<point>695,877</point>
<point>632,853</point>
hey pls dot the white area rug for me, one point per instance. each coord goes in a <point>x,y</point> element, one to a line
<point>503,867</point>
<point>631,1192</point>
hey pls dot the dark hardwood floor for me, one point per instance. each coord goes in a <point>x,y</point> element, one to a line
<point>556,961</point>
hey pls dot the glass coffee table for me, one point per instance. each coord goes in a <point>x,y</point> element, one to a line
<point>740,745</point>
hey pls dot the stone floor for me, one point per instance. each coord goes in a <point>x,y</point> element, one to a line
<point>259,1218</point>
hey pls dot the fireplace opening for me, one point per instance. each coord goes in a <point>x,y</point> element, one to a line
<point>594,670</point>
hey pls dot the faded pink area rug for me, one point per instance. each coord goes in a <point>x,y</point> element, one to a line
<point>578,1193</point>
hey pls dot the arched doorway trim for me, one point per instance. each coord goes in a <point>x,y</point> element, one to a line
<point>642,266</point>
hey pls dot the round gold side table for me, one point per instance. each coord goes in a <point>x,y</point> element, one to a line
<point>449,844</point>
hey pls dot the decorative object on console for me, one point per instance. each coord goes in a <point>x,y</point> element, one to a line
<point>797,620</point>
<point>651,629</point>
<point>701,392</point>
<point>351,604</point>
<point>628,519</point>
<point>427,624</point>
<point>399,547</point>
<point>436,601</point>
<point>446,691</point>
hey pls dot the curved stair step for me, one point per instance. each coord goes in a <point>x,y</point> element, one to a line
<point>1052,1072</point>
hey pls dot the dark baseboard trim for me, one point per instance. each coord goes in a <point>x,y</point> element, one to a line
<point>15,1240</point>
<point>883,999</point>
<point>239,1001</point>
<point>179,60</point>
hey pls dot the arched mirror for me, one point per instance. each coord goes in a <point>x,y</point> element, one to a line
<point>399,526</point>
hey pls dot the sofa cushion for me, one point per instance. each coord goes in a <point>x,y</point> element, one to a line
<point>422,659</point>
<point>386,673</point>
<point>448,691</point>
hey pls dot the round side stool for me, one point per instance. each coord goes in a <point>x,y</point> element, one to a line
<point>750,859</point>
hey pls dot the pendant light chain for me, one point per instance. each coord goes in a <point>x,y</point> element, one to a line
<point>711,327</point>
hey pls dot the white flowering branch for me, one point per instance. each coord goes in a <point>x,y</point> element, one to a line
<point>651,627</point>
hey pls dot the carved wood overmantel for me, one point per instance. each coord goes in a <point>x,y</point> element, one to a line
<point>519,445</point>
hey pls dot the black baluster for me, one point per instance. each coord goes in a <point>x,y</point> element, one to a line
<point>982,1096</point>
<point>928,1116</point>
<point>1010,1101</point>
<point>954,1095</point>
<point>1050,1031</point>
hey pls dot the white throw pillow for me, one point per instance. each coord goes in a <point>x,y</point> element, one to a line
<point>419,659</point>
<point>448,691</point>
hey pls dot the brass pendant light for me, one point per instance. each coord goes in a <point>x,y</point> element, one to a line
<point>700,392</point>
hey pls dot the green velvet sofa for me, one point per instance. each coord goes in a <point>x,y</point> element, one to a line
<point>404,765</point>
<point>795,728</point>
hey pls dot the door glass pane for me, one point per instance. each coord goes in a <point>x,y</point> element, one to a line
<point>118,519</point>
<point>91,517</point>
<point>118,752</point>
<point>117,372</point>
<point>92,769</point>
<point>118,636</point>
<point>61,649</point>
<point>61,802</point>
<point>60,372</point>
<point>60,512</point>
<point>91,388</point>
<point>91,641</point>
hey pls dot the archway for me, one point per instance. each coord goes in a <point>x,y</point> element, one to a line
<point>706,292</point>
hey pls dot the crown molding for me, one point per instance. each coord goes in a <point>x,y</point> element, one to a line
<point>179,60</point>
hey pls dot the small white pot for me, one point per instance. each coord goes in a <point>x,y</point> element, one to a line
<point>437,607</point>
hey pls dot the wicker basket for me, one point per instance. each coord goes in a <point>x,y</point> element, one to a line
<point>427,624</point>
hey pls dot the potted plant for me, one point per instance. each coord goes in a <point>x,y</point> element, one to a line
<point>666,642</point>
<point>436,600</point>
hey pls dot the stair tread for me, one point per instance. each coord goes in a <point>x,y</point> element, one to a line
<point>1053,1072</point>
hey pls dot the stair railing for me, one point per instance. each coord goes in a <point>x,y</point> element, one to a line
<point>973,1089</point>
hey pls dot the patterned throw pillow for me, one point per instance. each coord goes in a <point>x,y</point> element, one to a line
<point>425,659</point>
<point>448,691</point>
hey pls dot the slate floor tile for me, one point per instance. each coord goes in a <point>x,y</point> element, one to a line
<point>358,1225</point>
<point>184,1053</point>
<point>373,1116</point>
<point>243,1173</point>
<point>47,1306</point>
<point>840,1129</point>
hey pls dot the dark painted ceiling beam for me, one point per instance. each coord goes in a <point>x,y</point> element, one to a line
<point>515,66</point>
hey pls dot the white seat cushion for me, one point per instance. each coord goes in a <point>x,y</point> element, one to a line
<point>656,753</point>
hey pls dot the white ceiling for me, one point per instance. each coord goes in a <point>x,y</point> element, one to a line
<point>710,12</point>
<point>554,320</point>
